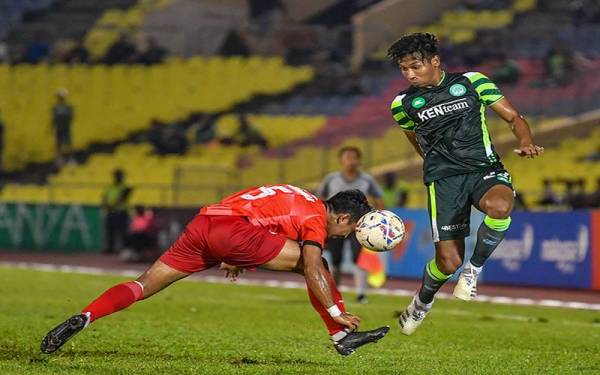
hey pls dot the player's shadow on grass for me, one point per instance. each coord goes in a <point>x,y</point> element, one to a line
<point>102,354</point>
<point>244,361</point>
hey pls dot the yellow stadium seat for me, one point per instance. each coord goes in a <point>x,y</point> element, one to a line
<point>112,102</point>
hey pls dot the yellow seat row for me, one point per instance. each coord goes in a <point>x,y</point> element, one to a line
<point>112,102</point>
<point>278,130</point>
<point>205,174</point>
<point>461,26</point>
<point>566,161</point>
<point>113,21</point>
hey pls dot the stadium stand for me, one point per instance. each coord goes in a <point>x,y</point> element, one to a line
<point>64,21</point>
<point>12,11</point>
<point>114,21</point>
<point>462,25</point>
<point>112,102</point>
<point>155,178</point>
<point>303,128</point>
<point>566,162</point>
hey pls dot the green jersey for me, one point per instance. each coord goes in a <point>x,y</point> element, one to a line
<point>449,123</point>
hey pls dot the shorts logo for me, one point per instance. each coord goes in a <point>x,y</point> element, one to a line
<point>457,89</point>
<point>505,177</point>
<point>418,102</point>
<point>502,176</point>
<point>454,227</point>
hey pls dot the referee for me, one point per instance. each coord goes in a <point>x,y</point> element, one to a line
<point>350,177</point>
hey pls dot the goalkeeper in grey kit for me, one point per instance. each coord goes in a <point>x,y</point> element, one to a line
<point>443,116</point>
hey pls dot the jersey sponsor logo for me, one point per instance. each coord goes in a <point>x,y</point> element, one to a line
<point>457,90</point>
<point>443,109</point>
<point>566,254</point>
<point>418,102</point>
<point>513,252</point>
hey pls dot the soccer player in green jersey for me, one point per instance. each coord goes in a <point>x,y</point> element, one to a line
<point>443,116</point>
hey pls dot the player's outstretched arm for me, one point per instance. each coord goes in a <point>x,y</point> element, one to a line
<point>314,273</point>
<point>519,127</point>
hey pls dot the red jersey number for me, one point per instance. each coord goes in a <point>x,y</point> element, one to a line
<point>266,191</point>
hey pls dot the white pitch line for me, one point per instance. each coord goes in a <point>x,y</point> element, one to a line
<point>520,318</point>
<point>503,300</point>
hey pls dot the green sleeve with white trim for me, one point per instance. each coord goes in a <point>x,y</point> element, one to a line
<point>487,90</point>
<point>400,115</point>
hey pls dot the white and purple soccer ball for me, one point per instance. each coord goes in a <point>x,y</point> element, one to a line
<point>380,230</point>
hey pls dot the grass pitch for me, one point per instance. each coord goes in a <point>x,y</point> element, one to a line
<point>201,328</point>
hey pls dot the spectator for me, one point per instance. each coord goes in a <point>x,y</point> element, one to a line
<point>350,177</point>
<point>114,205</point>
<point>167,139</point>
<point>3,52</point>
<point>594,198</point>
<point>1,144</point>
<point>155,135</point>
<point>549,196</point>
<point>559,65</point>
<point>38,50</point>
<point>79,54</point>
<point>154,53</point>
<point>266,13</point>
<point>579,198</point>
<point>204,130</point>
<point>234,45</point>
<point>506,71</point>
<point>120,52</point>
<point>142,234</point>
<point>174,140</point>
<point>62,116</point>
<point>248,135</point>
<point>393,194</point>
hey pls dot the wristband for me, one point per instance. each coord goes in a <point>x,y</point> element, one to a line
<point>334,311</point>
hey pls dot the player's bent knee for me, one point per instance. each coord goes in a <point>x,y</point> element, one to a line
<point>499,209</point>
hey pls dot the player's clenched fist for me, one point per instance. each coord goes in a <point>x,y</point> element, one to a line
<point>348,320</point>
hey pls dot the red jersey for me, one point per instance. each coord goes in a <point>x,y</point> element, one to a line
<point>283,209</point>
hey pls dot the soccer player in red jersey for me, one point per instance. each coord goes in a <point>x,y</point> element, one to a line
<point>276,227</point>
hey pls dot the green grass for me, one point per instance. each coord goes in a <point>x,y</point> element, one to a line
<point>201,328</point>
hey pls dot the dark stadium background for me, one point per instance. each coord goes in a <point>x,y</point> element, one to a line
<point>158,89</point>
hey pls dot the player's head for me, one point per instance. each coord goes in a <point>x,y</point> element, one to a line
<point>350,158</point>
<point>343,211</point>
<point>418,56</point>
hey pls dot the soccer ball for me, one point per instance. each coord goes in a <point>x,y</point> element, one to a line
<point>380,230</point>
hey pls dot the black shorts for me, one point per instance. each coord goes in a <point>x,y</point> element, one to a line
<point>63,138</point>
<point>450,200</point>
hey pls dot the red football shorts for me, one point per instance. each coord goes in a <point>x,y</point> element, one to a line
<point>210,240</point>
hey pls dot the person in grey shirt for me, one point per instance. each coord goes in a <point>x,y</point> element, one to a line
<point>350,177</point>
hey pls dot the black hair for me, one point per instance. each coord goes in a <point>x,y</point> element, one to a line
<point>354,149</point>
<point>422,46</point>
<point>352,202</point>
